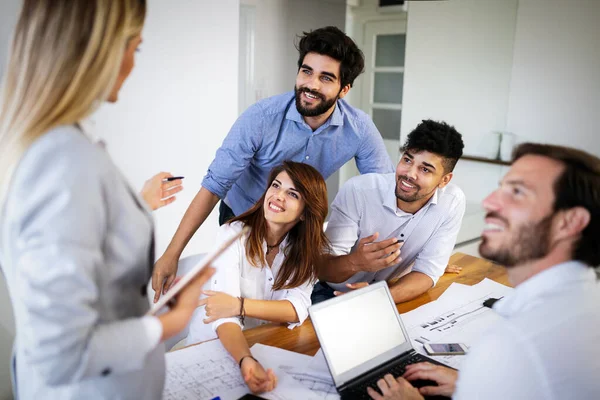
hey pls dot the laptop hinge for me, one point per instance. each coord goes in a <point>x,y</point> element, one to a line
<point>375,370</point>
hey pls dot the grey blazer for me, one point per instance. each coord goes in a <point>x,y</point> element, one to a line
<point>76,248</point>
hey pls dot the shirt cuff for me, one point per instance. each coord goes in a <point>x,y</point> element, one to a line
<point>210,184</point>
<point>154,330</point>
<point>301,311</point>
<point>431,274</point>
<point>222,321</point>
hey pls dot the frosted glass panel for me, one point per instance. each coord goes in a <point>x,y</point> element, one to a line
<point>389,50</point>
<point>388,87</point>
<point>388,123</point>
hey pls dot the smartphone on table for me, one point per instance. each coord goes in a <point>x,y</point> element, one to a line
<point>445,349</point>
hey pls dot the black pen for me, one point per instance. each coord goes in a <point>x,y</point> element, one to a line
<point>173,178</point>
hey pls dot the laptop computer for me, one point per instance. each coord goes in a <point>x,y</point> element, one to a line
<point>363,338</point>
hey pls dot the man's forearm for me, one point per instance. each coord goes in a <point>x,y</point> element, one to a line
<point>196,214</point>
<point>410,286</point>
<point>336,269</point>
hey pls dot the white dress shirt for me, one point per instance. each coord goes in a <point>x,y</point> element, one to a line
<point>237,277</point>
<point>367,204</point>
<point>547,346</point>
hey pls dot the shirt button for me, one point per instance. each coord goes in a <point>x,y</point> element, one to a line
<point>307,157</point>
<point>270,279</point>
<point>106,372</point>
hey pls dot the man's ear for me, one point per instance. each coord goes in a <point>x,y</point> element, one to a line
<point>445,180</point>
<point>572,222</point>
<point>344,91</point>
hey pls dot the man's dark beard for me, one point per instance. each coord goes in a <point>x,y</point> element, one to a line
<point>410,198</point>
<point>531,243</point>
<point>320,108</point>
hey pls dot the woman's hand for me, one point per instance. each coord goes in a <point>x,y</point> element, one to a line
<point>178,317</point>
<point>157,193</point>
<point>219,305</point>
<point>255,376</point>
<point>443,376</point>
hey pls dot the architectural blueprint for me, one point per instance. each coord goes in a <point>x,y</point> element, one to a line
<point>206,371</point>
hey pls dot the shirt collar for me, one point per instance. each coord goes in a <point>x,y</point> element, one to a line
<point>336,118</point>
<point>390,199</point>
<point>88,128</point>
<point>531,293</point>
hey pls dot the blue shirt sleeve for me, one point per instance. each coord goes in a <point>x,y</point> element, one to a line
<point>372,155</point>
<point>235,154</point>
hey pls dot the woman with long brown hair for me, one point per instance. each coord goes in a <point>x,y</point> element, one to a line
<point>76,241</point>
<point>268,274</point>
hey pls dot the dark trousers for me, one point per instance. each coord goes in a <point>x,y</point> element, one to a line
<point>321,292</point>
<point>225,213</point>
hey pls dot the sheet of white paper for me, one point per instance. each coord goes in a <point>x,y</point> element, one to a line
<point>297,367</point>
<point>321,387</point>
<point>204,371</point>
<point>275,356</point>
<point>315,376</point>
<point>318,366</point>
<point>207,370</point>
<point>458,316</point>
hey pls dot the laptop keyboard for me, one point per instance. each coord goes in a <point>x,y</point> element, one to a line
<point>359,391</point>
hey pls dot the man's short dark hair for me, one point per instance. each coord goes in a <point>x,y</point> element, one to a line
<point>438,138</point>
<point>577,186</point>
<point>331,41</point>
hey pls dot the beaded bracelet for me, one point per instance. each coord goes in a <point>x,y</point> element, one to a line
<point>242,311</point>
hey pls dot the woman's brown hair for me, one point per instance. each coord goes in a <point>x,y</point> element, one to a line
<point>306,240</point>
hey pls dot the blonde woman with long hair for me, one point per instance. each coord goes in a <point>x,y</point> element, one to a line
<point>75,241</point>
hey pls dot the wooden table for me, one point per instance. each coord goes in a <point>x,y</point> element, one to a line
<point>303,339</point>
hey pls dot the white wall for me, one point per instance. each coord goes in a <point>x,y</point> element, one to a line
<point>529,66</point>
<point>178,104</point>
<point>458,69</point>
<point>271,47</point>
<point>555,88</point>
<point>8,18</point>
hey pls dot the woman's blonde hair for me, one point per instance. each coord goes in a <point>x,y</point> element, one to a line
<point>64,61</point>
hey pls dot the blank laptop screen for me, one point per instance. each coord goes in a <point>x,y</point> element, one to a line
<point>358,330</point>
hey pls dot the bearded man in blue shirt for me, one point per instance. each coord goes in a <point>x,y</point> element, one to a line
<point>312,124</point>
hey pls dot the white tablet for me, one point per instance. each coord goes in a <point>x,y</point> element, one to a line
<point>206,261</point>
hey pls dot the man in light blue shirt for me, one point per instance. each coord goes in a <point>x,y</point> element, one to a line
<point>398,227</point>
<point>312,124</point>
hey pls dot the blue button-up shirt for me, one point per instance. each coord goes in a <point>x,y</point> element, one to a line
<point>272,131</point>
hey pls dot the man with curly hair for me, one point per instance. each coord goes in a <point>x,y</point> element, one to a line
<point>398,227</point>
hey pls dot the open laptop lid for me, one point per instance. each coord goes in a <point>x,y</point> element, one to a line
<point>359,331</point>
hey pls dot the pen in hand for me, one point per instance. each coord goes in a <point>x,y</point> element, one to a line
<point>173,178</point>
